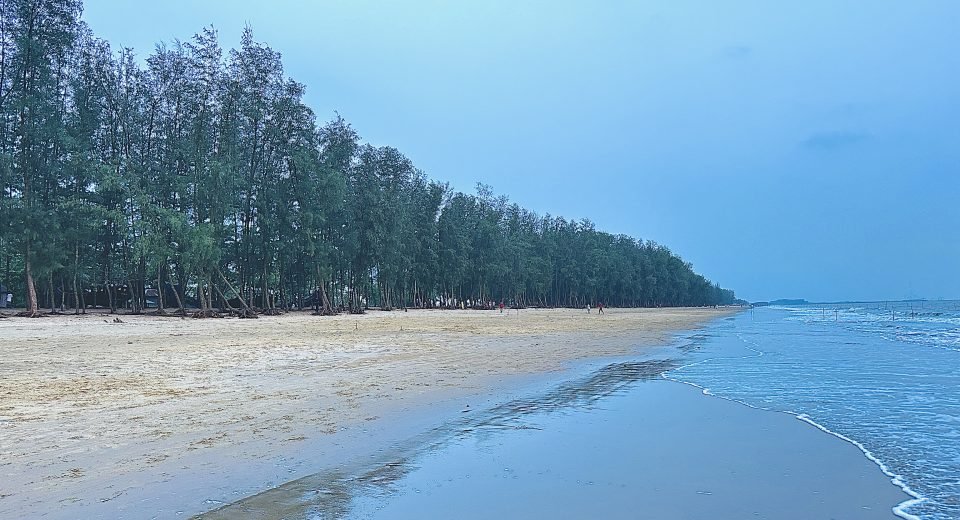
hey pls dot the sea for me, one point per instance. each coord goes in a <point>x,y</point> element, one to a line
<point>883,376</point>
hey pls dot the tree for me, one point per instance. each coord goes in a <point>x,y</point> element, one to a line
<point>40,35</point>
<point>204,175</point>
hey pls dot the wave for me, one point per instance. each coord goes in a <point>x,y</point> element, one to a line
<point>936,328</point>
<point>900,510</point>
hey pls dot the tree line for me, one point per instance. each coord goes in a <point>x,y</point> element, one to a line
<point>198,178</point>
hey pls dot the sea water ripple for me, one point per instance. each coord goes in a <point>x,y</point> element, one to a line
<point>885,377</point>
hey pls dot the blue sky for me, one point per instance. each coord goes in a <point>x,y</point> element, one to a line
<point>786,149</point>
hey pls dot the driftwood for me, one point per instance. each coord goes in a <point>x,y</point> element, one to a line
<point>207,313</point>
<point>179,313</point>
<point>248,314</point>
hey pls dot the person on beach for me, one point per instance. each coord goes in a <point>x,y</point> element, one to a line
<point>501,306</point>
<point>599,308</point>
<point>588,308</point>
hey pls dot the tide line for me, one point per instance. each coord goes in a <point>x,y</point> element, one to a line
<point>897,480</point>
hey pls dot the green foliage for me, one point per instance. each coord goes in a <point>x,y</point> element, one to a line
<point>204,173</point>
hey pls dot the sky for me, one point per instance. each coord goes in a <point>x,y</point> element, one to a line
<point>787,149</point>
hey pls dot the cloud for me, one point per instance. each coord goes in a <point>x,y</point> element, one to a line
<point>833,140</point>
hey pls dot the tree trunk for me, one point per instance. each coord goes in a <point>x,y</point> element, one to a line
<point>160,289</point>
<point>267,299</point>
<point>76,267</point>
<point>327,308</point>
<point>110,297</point>
<point>32,307</point>
<point>230,285</point>
<point>176,294</point>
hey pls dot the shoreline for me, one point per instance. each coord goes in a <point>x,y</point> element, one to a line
<point>166,416</point>
<point>801,467</point>
<point>899,510</point>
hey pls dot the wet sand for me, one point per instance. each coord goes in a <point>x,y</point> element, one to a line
<point>662,450</point>
<point>163,417</point>
<point>619,442</point>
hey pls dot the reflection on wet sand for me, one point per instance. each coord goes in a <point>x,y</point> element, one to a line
<point>328,495</point>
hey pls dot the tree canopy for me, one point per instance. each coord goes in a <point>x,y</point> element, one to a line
<point>202,174</point>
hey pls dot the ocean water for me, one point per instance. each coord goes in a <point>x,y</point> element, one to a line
<point>883,376</point>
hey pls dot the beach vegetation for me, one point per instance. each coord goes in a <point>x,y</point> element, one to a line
<point>202,176</point>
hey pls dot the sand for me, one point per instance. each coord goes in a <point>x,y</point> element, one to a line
<point>164,417</point>
<point>628,456</point>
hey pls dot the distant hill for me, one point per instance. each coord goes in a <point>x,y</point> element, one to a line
<point>781,302</point>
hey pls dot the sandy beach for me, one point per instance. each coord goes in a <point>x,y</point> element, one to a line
<point>161,417</point>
